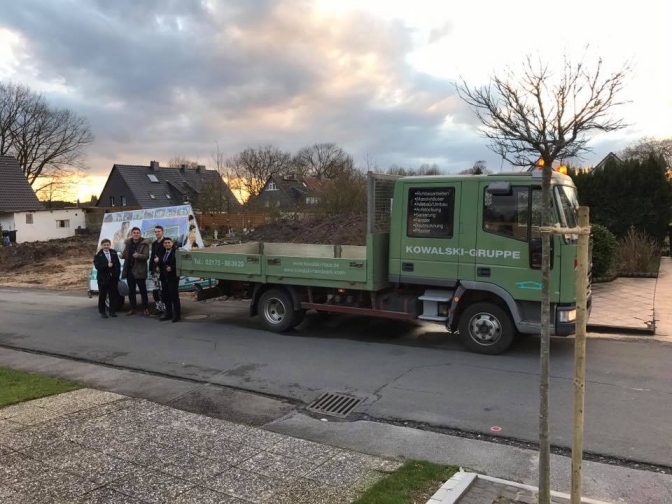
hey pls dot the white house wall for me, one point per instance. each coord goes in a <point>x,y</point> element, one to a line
<point>44,226</point>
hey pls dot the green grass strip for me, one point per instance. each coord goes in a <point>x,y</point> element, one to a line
<point>18,386</point>
<point>414,481</point>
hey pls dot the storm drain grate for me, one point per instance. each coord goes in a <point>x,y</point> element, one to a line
<point>334,404</point>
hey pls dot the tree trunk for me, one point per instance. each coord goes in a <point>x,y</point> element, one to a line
<point>544,359</point>
<point>580,355</point>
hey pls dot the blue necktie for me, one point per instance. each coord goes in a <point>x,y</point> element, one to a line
<point>165,257</point>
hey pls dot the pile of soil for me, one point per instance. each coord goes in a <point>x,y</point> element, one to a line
<point>54,264</point>
<point>349,229</point>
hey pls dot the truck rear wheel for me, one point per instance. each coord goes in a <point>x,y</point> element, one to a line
<point>486,328</point>
<point>277,310</point>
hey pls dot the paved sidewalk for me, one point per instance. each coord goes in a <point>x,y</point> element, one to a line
<point>663,299</point>
<point>626,304</point>
<point>92,447</point>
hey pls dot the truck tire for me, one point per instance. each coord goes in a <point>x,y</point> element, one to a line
<point>299,315</point>
<point>276,310</point>
<point>486,328</point>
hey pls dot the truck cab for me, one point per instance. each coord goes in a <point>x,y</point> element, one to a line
<point>473,244</point>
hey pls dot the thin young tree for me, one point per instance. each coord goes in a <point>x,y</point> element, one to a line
<point>547,114</point>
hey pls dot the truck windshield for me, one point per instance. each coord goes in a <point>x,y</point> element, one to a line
<point>568,207</point>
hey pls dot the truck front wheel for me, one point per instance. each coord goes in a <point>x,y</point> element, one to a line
<point>276,310</point>
<point>486,328</point>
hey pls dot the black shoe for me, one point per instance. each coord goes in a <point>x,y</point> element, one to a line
<point>113,315</point>
<point>176,319</point>
<point>166,317</point>
<point>103,315</point>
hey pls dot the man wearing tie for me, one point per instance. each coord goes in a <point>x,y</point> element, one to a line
<point>108,269</point>
<point>170,282</point>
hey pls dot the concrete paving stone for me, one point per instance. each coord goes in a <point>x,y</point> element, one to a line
<point>108,496</point>
<point>92,465</point>
<point>77,400</point>
<point>256,437</point>
<point>27,414</point>
<point>151,486</point>
<point>211,447</point>
<point>343,469</point>
<point>199,495</point>
<point>141,453</point>
<point>244,485</point>
<point>16,468</point>
<point>61,485</point>
<point>303,491</point>
<point>306,450</point>
<point>101,410</point>
<point>11,496</point>
<point>47,448</point>
<point>277,466</point>
<point>191,467</point>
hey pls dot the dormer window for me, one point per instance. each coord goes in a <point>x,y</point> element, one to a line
<point>272,186</point>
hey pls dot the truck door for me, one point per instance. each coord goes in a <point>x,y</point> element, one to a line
<point>508,245</point>
<point>430,236</point>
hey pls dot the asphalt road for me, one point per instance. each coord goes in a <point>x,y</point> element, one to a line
<point>404,371</point>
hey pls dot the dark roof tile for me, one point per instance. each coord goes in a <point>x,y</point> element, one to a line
<point>16,195</point>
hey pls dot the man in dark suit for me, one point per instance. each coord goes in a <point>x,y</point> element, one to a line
<point>170,282</point>
<point>108,268</point>
<point>156,252</point>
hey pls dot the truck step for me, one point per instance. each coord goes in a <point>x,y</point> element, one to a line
<point>433,318</point>
<point>438,299</point>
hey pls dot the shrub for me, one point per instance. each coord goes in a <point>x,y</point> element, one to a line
<point>636,252</point>
<point>605,247</point>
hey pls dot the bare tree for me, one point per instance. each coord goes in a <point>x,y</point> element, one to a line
<point>648,146</point>
<point>479,168</point>
<point>253,166</point>
<point>57,187</point>
<point>536,114</point>
<point>179,161</point>
<point>325,160</point>
<point>216,194</point>
<point>423,169</point>
<point>46,141</point>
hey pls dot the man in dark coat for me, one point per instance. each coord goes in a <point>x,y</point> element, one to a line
<point>156,252</point>
<point>135,255</point>
<point>108,268</point>
<point>170,282</point>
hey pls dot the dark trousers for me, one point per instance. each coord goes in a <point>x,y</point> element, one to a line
<point>142,286</point>
<point>171,296</point>
<point>110,289</point>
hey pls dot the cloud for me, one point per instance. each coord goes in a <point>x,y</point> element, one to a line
<point>164,78</point>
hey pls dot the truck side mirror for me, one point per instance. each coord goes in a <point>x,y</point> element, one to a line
<point>499,188</point>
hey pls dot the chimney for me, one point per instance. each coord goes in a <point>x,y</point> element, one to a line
<point>153,165</point>
<point>183,167</point>
<point>200,168</point>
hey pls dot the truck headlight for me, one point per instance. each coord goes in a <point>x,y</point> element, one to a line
<point>565,316</point>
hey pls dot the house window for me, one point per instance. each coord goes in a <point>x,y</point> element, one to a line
<point>123,201</point>
<point>63,223</point>
<point>168,196</point>
<point>29,218</point>
<point>152,177</point>
<point>111,200</point>
<point>272,186</point>
<point>312,200</point>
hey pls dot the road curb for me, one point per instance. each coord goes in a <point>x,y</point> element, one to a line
<point>625,331</point>
<point>453,489</point>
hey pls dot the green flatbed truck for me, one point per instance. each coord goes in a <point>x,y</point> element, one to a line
<point>462,251</point>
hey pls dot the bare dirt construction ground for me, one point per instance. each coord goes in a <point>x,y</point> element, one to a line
<point>55,264</point>
<point>66,264</point>
<point>348,229</point>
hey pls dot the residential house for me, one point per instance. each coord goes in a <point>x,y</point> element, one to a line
<point>16,195</point>
<point>609,158</point>
<point>154,186</point>
<point>289,192</point>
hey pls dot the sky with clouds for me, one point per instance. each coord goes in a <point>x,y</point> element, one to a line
<point>164,78</point>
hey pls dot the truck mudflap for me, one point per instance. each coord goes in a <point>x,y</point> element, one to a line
<point>453,306</point>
